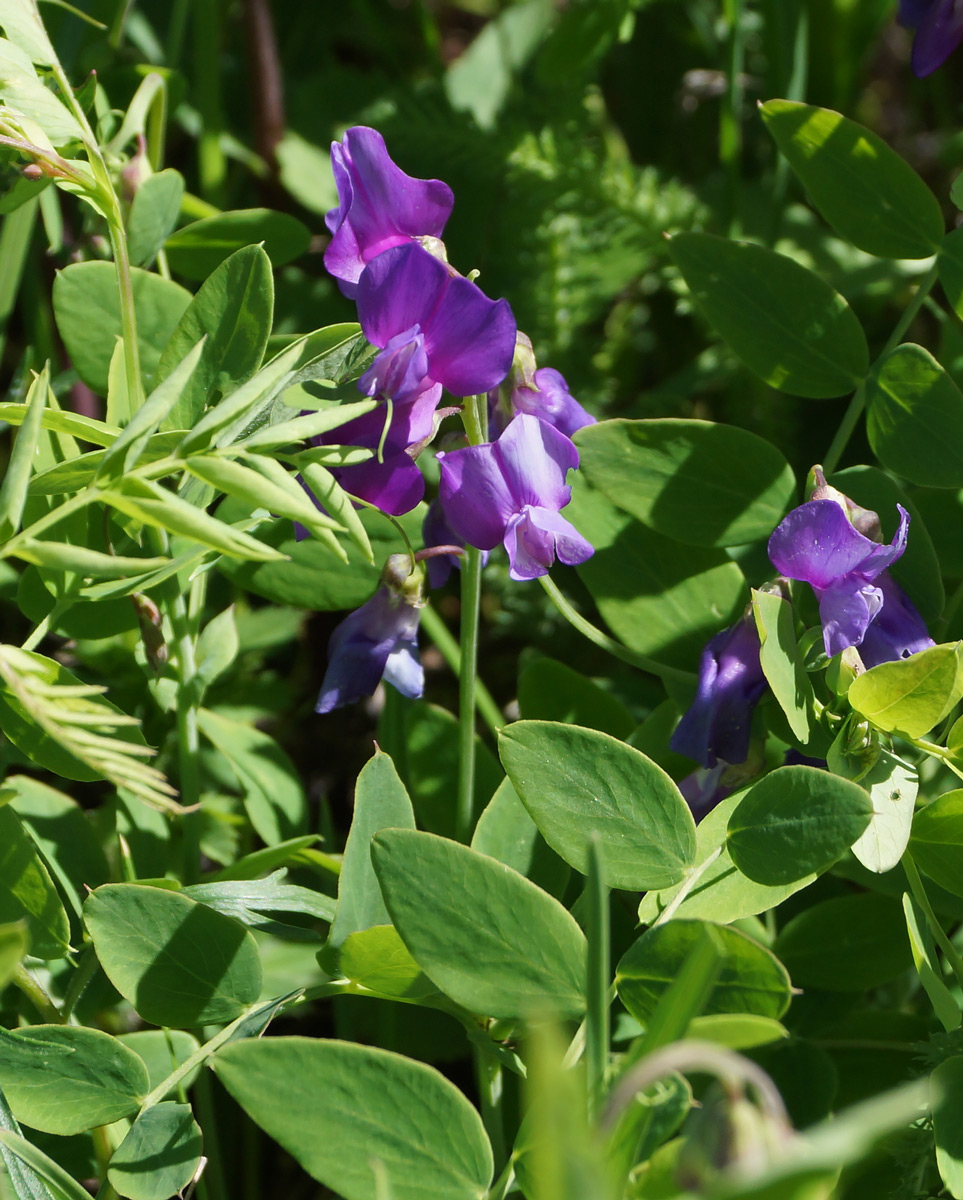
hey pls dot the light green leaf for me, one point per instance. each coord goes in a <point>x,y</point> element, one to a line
<point>247,900</point>
<point>273,795</point>
<point>914,418</point>
<point>937,840</point>
<point>54,1176</point>
<point>738,1031</point>
<point>795,821</point>
<point>377,960</point>
<point>153,214</point>
<point>13,489</point>
<point>577,782</point>
<point>24,27</point>
<point>23,92</point>
<point>486,936</point>
<point>177,961</point>
<point>928,966</point>
<point>911,695</point>
<point>782,663</point>
<point>336,1106</point>
<point>162,1051</point>
<point>86,304</point>
<point>750,980</point>
<point>234,309</point>
<point>160,1154</point>
<point>697,482</point>
<point>870,196</point>
<point>27,893</point>
<point>892,787</point>
<point>198,249</point>
<point>64,1079</point>
<point>13,947</point>
<point>783,321</point>
<point>336,501</point>
<point>380,802</point>
<point>217,646</point>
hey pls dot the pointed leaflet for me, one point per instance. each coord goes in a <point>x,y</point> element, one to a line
<point>28,893</point>
<point>13,490</point>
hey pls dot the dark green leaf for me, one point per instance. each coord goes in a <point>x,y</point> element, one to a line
<point>27,892</point>
<point>153,214</point>
<point>160,1154</point>
<point>196,250</point>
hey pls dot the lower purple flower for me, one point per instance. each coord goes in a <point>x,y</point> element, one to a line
<point>378,641</point>
<point>717,724</point>
<point>539,391</point>
<point>939,30</point>
<point>898,630</point>
<point>511,491</point>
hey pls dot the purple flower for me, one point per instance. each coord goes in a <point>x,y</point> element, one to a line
<point>716,725</point>
<point>379,206</point>
<point>436,531</point>
<point>410,304</point>
<point>939,30</point>
<point>393,481</point>
<point>540,391</point>
<point>816,543</point>
<point>898,630</point>
<point>511,491</point>
<point>377,641</point>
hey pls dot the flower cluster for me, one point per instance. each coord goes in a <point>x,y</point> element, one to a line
<point>836,547</point>
<point>436,331</point>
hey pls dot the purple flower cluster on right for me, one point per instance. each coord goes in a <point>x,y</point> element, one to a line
<point>836,547</point>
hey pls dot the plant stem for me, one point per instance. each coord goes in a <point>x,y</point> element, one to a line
<point>78,982</point>
<point>687,885</point>
<point>604,642</point>
<point>448,647</point>
<point>730,134</point>
<point>858,402</point>
<point>470,614</point>
<point>490,1086</point>
<point>597,996</point>
<point>37,995</point>
<point>188,736</point>
<point>939,935</point>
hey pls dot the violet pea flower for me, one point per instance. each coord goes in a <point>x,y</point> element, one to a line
<point>939,30</point>
<point>379,206</point>
<point>817,544</point>
<point>716,726</point>
<point>898,629</point>
<point>436,531</point>
<point>464,341</point>
<point>511,491</point>
<point>540,391</point>
<point>378,641</point>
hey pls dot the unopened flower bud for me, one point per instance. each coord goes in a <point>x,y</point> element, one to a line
<point>729,1134</point>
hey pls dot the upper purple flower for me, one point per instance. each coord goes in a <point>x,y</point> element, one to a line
<point>939,30</point>
<point>817,544</point>
<point>422,315</point>
<point>378,640</point>
<point>511,491</point>
<point>717,723</point>
<point>379,206</point>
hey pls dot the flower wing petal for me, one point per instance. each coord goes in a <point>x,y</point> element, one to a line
<point>475,494</point>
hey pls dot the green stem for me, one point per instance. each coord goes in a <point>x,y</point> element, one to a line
<point>188,734</point>
<point>213,1177</point>
<point>730,134</point>
<point>858,402</point>
<point>597,993</point>
<point>470,615</point>
<point>450,651</point>
<point>687,885</point>
<point>212,164</point>
<point>25,982</point>
<point>604,642</point>
<point>939,752</point>
<point>78,982</point>
<point>500,1188</point>
<point>949,611</point>
<point>488,1073</point>
<point>940,937</point>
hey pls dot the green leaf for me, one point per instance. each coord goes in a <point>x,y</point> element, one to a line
<point>217,646</point>
<point>750,980</point>
<point>914,418</point>
<point>548,690</point>
<point>892,787</point>
<point>255,864</point>
<point>28,893</point>
<point>91,564</point>
<point>234,308</point>
<point>13,947</point>
<point>273,795</point>
<point>486,936</point>
<point>697,482</point>
<point>658,597</point>
<point>782,663</point>
<point>59,421</point>
<point>27,1184</point>
<point>738,1031</point>
<point>795,821</point>
<point>377,960</point>
<point>913,694</point>
<point>950,264</point>
<point>380,802</point>
<point>54,1176</point>
<point>153,214</point>
<point>162,1051</point>
<point>247,900</point>
<point>928,966</point>
<point>947,1083</point>
<point>937,840</point>
<point>336,1107</point>
<point>86,303</point>
<point>784,322</point>
<point>577,782</point>
<point>178,962</point>
<point>24,27</point>
<point>846,944</point>
<point>196,250</point>
<point>13,489</point>
<point>64,1079</point>
<point>336,501</point>
<point>722,892</point>
<point>160,1154</point>
<point>870,196</point>
<point>26,94</point>
<point>151,504</point>
<point>505,831</point>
